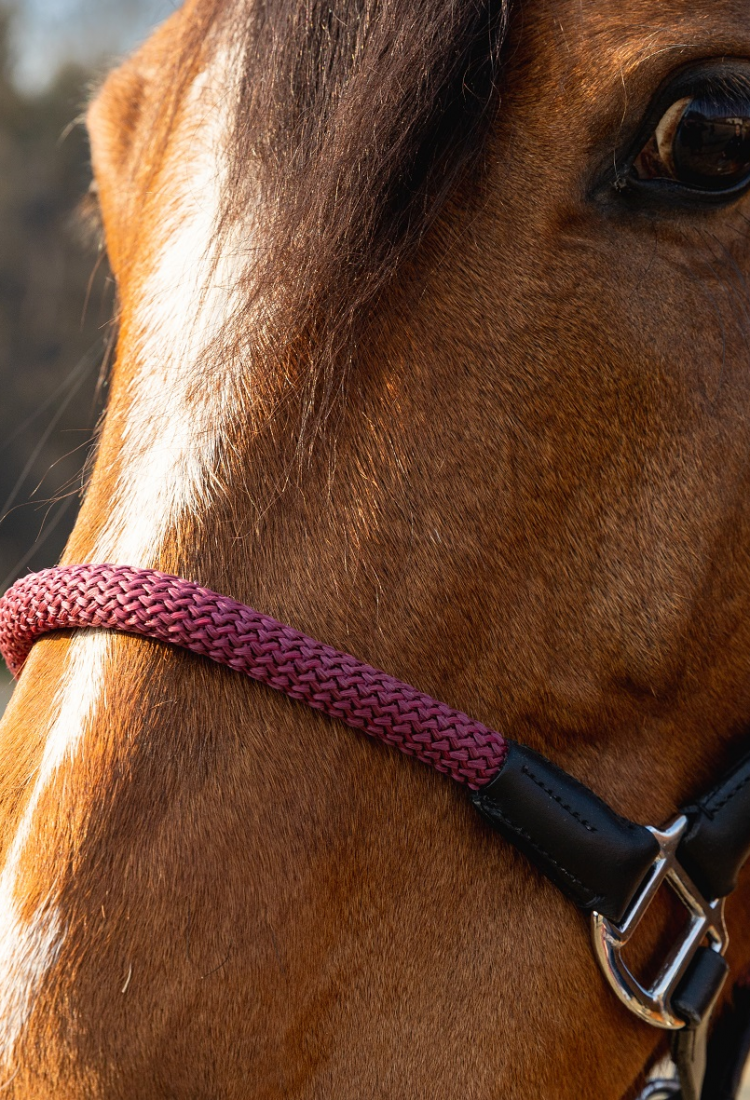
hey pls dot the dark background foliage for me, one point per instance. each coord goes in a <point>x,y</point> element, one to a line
<point>54,311</point>
<point>56,297</point>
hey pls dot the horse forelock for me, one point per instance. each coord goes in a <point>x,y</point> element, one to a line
<point>293,203</point>
<point>354,124</point>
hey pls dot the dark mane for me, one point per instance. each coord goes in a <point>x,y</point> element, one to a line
<point>356,119</point>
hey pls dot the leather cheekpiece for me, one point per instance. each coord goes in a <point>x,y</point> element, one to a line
<point>597,858</point>
<point>717,843</point>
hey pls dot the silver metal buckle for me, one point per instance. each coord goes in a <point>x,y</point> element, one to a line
<point>707,922</point>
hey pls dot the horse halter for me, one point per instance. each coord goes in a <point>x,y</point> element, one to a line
<point>607,865</point>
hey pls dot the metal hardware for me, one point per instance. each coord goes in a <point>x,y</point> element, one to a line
<point>661,1090</point>
<point>663,1082</point>
<point>707,923</point>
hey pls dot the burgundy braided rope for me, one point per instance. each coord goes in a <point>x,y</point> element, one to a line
<point>165,608</point>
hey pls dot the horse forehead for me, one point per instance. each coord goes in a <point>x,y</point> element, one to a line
<point>640,20</point>
<point>589,51</point>
<point>591,41</point>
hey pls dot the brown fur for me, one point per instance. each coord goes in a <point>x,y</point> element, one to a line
<point>532,501</point>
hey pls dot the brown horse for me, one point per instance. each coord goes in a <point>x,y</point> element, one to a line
<point>433,343</point>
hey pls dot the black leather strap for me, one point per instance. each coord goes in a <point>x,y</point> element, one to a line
<point>694,1000</point>
<point>593,855</point>
<point>717,843</point>
<point>599,859</point>
<point>729,1049</point>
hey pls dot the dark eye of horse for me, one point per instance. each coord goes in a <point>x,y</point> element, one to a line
<point>692,147</point>
<point>701,142</point>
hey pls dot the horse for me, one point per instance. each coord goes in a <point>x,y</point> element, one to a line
<point>432,342</point>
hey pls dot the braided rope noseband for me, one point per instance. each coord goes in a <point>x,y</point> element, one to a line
<point>181,613</point>
<point>602,861</point>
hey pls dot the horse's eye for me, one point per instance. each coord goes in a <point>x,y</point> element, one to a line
<point>702,143</point>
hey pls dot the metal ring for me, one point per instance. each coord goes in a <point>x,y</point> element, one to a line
<point>661,1090</point>
<point>654,1004</point>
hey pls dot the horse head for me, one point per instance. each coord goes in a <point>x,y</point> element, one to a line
<point>432,343</point>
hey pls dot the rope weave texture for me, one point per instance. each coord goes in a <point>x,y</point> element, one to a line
<point>181,613</point>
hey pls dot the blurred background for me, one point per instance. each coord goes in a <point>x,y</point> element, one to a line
<point>56,296</point>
